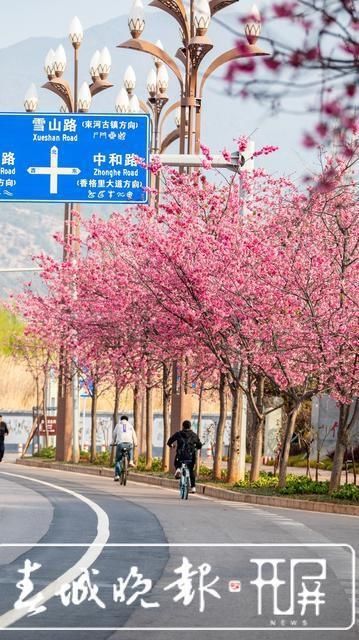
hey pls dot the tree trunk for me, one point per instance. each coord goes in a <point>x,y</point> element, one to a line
<point>143,424</point>
<point>257,443</point>
<point>116,405</point>
<point>309,475</point>
<point>354,467</point>
<point>199,427</point>
<point>136,420</point>
<point>166,386</point>
<point>257,448</point>
<point>149,424</point>
<point>340,447</point>
<point>284,455</point>
<point>93,423</point>
<point>217,463</point>
<point>233,466</point>
<point>44,403</point>
<point>115,419</point>
<point>317,459</point>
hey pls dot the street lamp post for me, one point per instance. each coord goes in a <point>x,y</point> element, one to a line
<point>157,99</point>
<point>74,100</point>
<point>157,85</point>
<point>192,52</point>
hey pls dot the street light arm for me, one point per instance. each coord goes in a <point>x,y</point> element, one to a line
<point>232,54</point>
<point>62,89</point>
<point>180,55</point>
<point>144,107</point>
<point>170,110</point>
<point>153,50</point>
<point>171,137</point>
<point>174,8</point>
<point>218,5</point>
<point>99,85</point>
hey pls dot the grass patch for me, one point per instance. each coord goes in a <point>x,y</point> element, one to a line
<point>48,453</point>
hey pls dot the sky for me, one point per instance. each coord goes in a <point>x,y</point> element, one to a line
<point>52,17</point>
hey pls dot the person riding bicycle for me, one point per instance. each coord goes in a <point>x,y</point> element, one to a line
<point>124,436</point>
<point>188,443</point>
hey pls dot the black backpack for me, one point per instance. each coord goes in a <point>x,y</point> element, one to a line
<point>187,446</point>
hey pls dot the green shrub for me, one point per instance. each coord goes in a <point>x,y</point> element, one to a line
<point>205,472</point>
<point>84,456</point>
<point>46,452</point>
<point>303,485</point>
<point>141,463</point>
<point>157,464</point>
<point>347,492</point>
<point>326,463</point>
<point>102,458</point>
<point>265,480</point>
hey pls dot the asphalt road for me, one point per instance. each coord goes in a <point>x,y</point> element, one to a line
<point>95,536</point>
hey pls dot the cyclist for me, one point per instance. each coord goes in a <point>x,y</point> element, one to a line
<point>124,436</point>
<point>188,443</point>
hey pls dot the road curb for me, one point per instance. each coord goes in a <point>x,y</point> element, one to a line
<point>204,489</point>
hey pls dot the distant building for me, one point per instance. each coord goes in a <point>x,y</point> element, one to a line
<point>325,420</point>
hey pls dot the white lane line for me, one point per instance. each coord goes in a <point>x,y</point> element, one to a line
<point>93,552</point>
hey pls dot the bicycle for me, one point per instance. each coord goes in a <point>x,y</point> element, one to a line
<point>184,481</point>
<point>122,463</point>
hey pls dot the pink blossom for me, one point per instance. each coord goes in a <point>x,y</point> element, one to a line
<point>285,9</point>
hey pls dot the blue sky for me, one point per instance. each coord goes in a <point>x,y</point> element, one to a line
<point>23,19</point>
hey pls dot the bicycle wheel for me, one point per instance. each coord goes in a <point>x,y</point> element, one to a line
<point>183,491</point>
<point>124,470</point>
<point>186,485</point>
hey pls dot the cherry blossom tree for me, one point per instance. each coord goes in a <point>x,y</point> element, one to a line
<point>253,287</point>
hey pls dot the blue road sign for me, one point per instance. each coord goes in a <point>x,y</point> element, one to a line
<point>73,158</point>
<point>86,388</point>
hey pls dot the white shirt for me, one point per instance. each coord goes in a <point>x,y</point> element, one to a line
<point>124,433</point>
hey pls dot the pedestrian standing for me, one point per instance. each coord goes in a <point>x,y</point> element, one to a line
<point>4,431</point>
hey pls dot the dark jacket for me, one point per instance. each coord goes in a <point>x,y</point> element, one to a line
<point>187,444</point>
<point>3,431</point>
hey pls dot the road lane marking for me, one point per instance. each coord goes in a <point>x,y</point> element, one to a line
<point>91,555</point>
